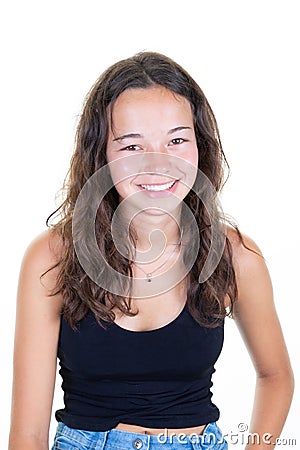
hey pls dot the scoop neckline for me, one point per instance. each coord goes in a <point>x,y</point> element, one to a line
<point>126,330</point>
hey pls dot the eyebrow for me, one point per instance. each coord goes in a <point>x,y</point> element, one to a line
<point>138,135</point>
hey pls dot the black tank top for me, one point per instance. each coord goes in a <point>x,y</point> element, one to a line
<point>159,378</point>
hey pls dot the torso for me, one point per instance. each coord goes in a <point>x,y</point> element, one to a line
<point>154,313</point>
<point>169,304</point>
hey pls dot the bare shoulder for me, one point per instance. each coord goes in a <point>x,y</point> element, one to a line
<point>239,250</point>
<point>249,263</point>
<point>39,267</point>
<point>44,249</point>
<point>244,249</point>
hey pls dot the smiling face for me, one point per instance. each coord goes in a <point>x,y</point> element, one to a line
<point>157,126</point>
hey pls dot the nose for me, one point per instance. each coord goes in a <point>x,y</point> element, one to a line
<point>156,162</point>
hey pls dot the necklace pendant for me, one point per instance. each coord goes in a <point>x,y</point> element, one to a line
<point>149,275</point>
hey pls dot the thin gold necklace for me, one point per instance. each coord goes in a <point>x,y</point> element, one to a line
<point>150,274</point>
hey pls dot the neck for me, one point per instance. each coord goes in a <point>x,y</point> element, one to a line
<point>156,232</point>
<point>158,243</point>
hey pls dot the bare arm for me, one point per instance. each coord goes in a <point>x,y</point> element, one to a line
<point>35,349</point>
<point>258,323</point>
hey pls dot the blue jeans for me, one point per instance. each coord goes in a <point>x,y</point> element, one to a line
<point>72,439</point>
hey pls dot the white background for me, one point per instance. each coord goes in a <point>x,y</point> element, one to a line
<point>245,56</point>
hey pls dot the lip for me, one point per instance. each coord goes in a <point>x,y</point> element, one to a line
<point>153,183</point>
<point>158,194</point>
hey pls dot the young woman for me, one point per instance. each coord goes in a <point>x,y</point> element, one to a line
<point>130,288</point>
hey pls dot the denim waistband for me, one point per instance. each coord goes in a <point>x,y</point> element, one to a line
<point>69,438</point>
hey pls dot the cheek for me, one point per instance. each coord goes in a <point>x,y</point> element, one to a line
<point>122,190</point>
<point>125,168</point>
<point>191,156</point>
<point>122,170</point>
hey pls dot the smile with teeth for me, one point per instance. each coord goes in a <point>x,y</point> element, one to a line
<point>158,187</point>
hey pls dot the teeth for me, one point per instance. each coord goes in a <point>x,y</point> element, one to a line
<point>156,187</point>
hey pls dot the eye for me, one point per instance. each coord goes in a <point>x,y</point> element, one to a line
<point>131,148</point>
<point>177,141</point>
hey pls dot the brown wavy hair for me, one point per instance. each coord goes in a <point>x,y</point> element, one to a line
<point>80,294</point>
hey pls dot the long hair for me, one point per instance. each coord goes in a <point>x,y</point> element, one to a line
<point>80,293</point>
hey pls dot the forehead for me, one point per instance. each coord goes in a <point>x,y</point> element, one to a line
<point>155,105</point>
